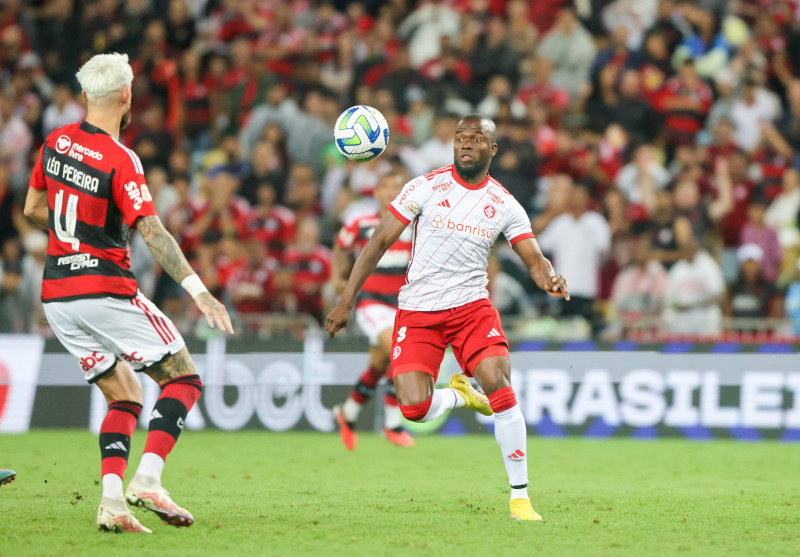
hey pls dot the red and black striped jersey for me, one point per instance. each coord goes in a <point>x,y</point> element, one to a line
<point>96,190</point>
<point>389,276</point>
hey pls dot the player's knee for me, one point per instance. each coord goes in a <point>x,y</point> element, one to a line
<point>415,411</point>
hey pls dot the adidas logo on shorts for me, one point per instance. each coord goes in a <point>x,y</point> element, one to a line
<point>493,333</point>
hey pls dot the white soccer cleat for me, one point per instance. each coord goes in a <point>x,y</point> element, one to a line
<point>149,494</point>
<point>115,516</point>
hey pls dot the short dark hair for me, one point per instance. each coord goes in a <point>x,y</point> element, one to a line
<point>487,125</point>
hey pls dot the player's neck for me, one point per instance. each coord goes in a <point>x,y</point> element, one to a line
<point>109,123</point>
<point>472,180</point>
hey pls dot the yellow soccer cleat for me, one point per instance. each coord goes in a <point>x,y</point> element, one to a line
<point>521,509</point>
<point>475,399</point>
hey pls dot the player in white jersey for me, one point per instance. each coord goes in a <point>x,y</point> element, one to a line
<point>458,212</point>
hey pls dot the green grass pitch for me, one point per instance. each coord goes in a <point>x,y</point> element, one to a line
<point>259,493</point>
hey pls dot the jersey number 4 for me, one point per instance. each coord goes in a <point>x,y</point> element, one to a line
<point>71,219</point>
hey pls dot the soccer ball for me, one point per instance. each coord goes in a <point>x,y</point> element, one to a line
<point>361,133</point>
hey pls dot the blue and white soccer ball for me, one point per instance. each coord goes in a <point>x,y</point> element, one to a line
<point>361,133</point>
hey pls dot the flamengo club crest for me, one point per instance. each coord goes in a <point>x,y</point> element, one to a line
<point>63,144</point>
<point>488,211</point>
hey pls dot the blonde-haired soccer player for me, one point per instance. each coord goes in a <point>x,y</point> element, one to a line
<point>89,190</point>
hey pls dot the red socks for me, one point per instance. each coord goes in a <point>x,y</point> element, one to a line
<point>115,436</point>
<point>502,399</point>
<point>169,413</point>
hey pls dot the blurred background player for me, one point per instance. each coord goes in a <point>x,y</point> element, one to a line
<point>7,476</point>
<point>458,213</point>
<point>376,307</point>
<point>90,191</point>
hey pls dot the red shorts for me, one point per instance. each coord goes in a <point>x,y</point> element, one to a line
<point>420,337</point>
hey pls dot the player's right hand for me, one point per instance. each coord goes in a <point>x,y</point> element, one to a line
<point>337,319</point>
<point>215,312</point>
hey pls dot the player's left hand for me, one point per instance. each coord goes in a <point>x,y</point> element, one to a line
<point>337,319</point>
<point>556,286</point>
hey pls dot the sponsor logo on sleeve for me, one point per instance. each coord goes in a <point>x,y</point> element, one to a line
<point>138,197</point>
<point>412,207</point>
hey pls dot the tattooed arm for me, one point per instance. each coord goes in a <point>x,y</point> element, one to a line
<point>164,247</point>
<point>166,251</point>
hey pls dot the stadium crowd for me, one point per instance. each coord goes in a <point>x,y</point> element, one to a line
<point>653,143</point>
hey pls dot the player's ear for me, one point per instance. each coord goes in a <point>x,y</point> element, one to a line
<point>494,149</point>
<point>126,94</point>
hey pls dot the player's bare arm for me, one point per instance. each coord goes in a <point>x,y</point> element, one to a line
<point>541,269</point>
<point>342,264</point>
<point>166,251</point>
<point>386,233</point>
<point>36,207</point>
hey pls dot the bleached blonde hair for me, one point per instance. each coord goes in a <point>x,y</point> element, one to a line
<point>104,74</point>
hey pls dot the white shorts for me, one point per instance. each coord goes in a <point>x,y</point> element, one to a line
<point>97,331</point>
<point>373,319</point>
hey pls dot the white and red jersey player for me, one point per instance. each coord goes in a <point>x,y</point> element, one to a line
<point>458,212</point>
<point>455,226</point>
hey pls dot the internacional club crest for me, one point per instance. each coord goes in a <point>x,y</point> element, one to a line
<point>489,211</point>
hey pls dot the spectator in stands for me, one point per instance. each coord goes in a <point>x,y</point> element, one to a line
<point>310,265</point>
<point>302,194</point>
<point>424,28</point>
<point>726,82</point>
<point>15,141</point>
<point>62,110</point>
<point>754,106</point>
<point>35,244</point>
<point>782,216</point>
<point>638,292</point>
<point>685,102</point>
<point>16,299</point>
<point>223,209</point>
<point>642,177</point>
<point>269,222</point>
<point>571,49</point>
<point>266,165</point>
<point>578,240</point>
<point>792,301</point>
<point>154,142</point>
<point>634,16</point>
<point>438,150</point>
<point>662,230</point>
<point>9,207</point>
<point>757,232</point>
<point>694,289</point>
<point>790,123</point>
<point>250,286</point>
<point>752,296</point>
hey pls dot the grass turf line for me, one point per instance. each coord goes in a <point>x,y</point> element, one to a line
<point>259,493</point>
